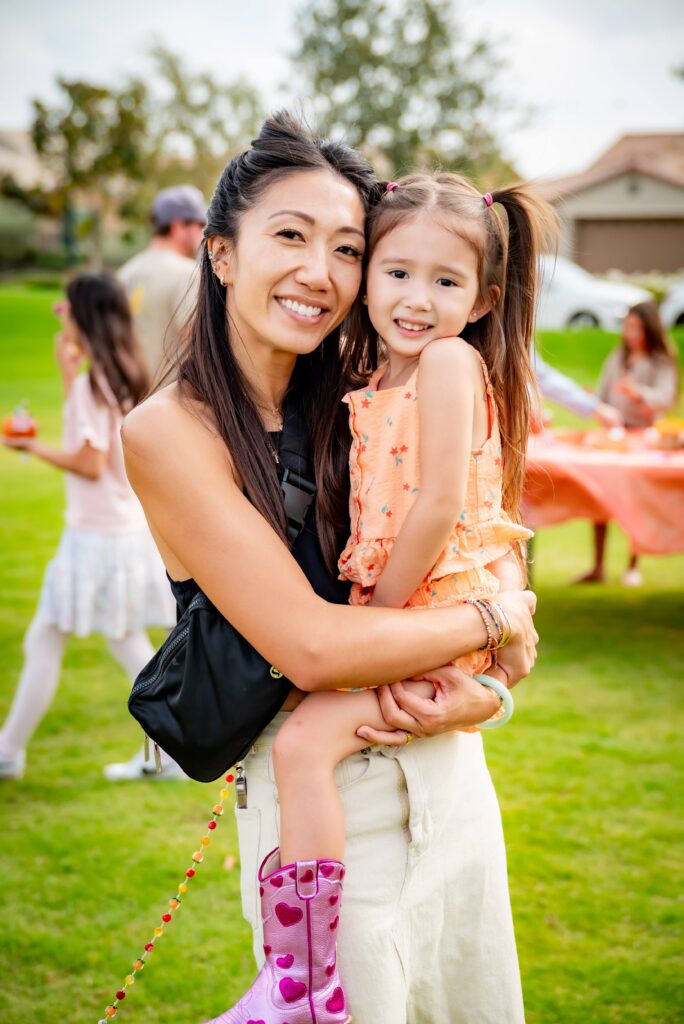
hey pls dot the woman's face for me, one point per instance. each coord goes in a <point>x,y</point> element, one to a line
<point>633,333</point>
<point>295,269</point>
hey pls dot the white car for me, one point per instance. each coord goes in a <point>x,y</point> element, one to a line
<point>672,307</point>
<point>571,297</point>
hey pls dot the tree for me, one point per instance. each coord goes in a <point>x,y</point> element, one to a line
<point>198,122</point>
<point>109,150</point>
<point>401,81</point>
<point>93,143</point>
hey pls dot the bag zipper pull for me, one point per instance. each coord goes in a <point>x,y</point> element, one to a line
<point>157,759</point>
<point>147,748</point>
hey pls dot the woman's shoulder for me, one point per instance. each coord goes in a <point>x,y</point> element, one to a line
<point>169,420</point>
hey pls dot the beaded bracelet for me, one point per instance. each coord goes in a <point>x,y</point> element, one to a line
<point>507,705</point>
<point>501,622</point>
<point>174,903</point>
<point>489,621</point>
<point>506,631</point>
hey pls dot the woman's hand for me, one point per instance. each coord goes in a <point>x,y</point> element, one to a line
<point>459,702</point>
<point>518,657</point>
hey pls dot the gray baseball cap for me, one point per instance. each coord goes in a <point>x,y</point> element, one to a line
<point>181,202</point>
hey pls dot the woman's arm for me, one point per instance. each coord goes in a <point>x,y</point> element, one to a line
<point>449,378</point>
<point>658,396</point>
<point>88,461</point>
<point>182,473</point>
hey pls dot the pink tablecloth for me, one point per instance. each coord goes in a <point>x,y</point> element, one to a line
<point>642,490</point>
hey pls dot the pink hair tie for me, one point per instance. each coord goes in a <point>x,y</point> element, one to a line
<point>390,186</point>
<point>488,198</point>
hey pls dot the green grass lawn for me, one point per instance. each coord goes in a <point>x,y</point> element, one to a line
<point>589,778</point>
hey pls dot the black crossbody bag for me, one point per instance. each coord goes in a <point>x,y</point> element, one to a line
<point>207,694</point>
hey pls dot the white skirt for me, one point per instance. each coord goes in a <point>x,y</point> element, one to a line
<point>110,583</point>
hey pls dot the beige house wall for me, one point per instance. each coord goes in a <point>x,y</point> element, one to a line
<point>632,223</point>
<point>629,195</point>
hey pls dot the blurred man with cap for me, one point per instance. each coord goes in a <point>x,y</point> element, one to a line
<point>161,281</point>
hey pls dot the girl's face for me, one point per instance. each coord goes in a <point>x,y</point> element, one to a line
<point>295,269</point>
<point>422,285</point>
<point>633,333</point>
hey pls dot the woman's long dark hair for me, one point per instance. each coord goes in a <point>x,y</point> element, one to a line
<point>99,307</point>
<point>207,367</point>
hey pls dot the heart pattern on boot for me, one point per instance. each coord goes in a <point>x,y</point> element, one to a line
<point>285,961</point>
<point>287,915</point>
<point>334,924</point>
<point>327,870</point>
<point>333,900</point>
<point>292,990</point>
<point>308,876</point>
<point>336,1002</point>
<point>277,881</point>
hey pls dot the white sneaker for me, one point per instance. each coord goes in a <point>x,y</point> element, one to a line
<point>137,768</point>
<point>13,767</point>
<point>632,578</point>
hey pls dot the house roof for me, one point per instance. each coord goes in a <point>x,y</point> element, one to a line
<point>657,155</point>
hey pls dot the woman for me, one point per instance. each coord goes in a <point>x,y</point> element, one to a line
<point>640,378</point>
<point>280,272</point>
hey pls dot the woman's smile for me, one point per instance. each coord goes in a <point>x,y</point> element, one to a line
<point>302,310</point>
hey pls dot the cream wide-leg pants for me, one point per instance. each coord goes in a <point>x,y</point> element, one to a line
<point>426,934</point>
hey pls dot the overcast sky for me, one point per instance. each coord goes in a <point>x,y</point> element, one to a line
<point>593,69</point>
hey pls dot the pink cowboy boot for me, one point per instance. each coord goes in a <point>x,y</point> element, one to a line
<point>299,982</point>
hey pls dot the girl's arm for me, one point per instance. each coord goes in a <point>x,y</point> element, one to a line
<point>207,529</point>
<point>88,461</point>
<point>450,378</point>
<point>507,571</point>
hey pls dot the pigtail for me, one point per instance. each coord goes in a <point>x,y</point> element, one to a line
<point>531,231</point>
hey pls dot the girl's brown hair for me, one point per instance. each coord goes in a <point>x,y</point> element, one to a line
<point>99,307</point>
<point>507,251</point>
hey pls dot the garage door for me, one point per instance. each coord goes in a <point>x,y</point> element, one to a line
<point>629,245</point>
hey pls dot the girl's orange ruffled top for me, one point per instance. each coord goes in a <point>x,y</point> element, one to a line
<point>385,480</point>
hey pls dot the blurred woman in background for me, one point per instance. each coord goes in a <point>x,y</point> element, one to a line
<point>640,379</point>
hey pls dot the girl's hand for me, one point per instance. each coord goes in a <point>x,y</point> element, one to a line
<point>518,657</point>
<point>459,702</point>
<point>20,444</point>
<point>69,355</point>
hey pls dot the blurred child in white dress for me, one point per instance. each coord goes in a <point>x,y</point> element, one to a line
<point>106,576</point>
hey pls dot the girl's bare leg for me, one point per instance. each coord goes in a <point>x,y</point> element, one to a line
<point>319,734</point>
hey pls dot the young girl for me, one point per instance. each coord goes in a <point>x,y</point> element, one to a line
<point>106,576</point>
<point>640,379</point>
<point>438,437</point>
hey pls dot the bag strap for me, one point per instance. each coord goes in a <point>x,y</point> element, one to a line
<point>295,469</point>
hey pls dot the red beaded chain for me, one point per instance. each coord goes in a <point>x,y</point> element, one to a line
<point>197,858</point>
